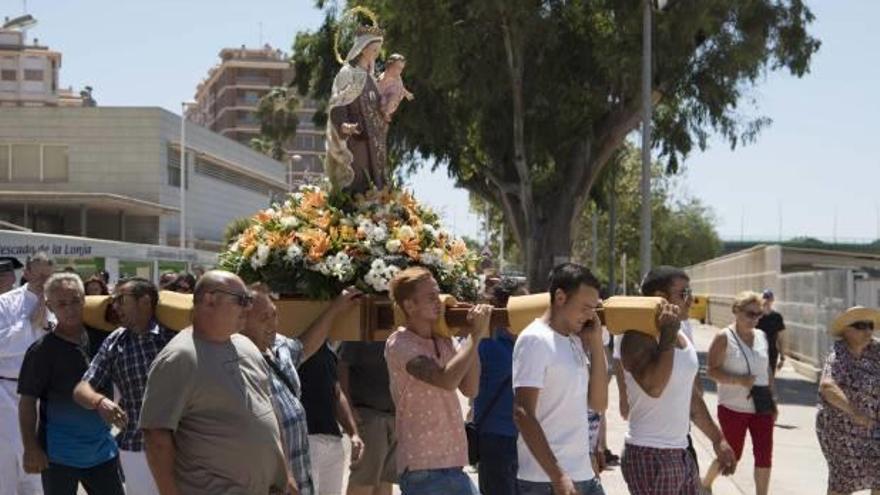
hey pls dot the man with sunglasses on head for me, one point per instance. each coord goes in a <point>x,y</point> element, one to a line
<point>664,396</point>
<point>208,419</point>
<point>123,360</point>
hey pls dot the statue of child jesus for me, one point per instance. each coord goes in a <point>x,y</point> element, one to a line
<point>391,86</point>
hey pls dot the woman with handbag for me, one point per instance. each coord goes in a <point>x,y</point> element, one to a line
<point>739,361</point>
<point>848,423</point>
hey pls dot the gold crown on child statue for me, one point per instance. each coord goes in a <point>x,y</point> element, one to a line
<point>371,30</point>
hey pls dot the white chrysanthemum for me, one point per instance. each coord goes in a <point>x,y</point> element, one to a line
<point>293,253</point>
<point>378,234</point>
<point>432,257</point>
<point>340,266</point>
<point>234,247</point>
<point>380,275</point>
<point>392,246</point>
<point>406,233</point>
<point>260,257</point>
<point>290,222</point>
<point>429,230</point>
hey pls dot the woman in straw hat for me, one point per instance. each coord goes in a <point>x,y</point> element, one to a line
<point>849,406</point>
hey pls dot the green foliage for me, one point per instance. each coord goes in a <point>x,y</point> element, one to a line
<point>276,112</point>
<point>683,227</point>
<point>569,72</point>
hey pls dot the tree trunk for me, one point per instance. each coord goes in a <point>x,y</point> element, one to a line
<point>549,235</point>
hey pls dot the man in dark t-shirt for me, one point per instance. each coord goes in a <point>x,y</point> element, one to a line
<point>363,374</point>
<point>326,408</point>
<point>64,442</point>
<point>773,325</point>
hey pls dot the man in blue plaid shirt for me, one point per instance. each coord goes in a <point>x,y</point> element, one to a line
<point>284,355</point>
<point>124,360</point>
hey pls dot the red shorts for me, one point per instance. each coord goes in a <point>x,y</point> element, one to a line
<point>760,426</point>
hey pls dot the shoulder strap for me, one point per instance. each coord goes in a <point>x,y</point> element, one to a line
<point>494,400</point>
<point>741,348</point>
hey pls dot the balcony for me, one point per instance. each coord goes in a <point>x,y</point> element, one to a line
<point>252,81</point>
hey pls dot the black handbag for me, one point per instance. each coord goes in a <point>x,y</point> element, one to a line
<point>761,395</point>
<point>472,428</point>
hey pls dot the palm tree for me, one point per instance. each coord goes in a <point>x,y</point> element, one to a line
<point>278,121</point>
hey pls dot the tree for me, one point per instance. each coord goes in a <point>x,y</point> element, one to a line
<point>684,228</point>
<point>276,112</point>
<point>526,102</point>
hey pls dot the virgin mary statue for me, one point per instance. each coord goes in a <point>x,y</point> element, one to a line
<point>356,129</point>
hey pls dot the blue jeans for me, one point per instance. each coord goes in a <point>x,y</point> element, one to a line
<point>589,487</point>
<point>498,464</point>
<point>447,481</point>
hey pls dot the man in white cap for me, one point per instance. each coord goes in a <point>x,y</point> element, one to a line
<point>8,265</point>
<point>23,319</point>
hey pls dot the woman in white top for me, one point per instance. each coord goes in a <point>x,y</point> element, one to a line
<point>739,360</point>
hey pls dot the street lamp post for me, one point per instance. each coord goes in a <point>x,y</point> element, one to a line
<point>645,242</point>
<point>294,158</point>
<point>182,234</point>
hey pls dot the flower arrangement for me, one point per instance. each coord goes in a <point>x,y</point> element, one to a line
<point>314,244</point>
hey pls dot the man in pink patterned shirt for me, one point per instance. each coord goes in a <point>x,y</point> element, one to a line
<point>425,371</point>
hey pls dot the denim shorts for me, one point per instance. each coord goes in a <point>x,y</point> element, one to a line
<point>447,481</point>
<point>589,487</point>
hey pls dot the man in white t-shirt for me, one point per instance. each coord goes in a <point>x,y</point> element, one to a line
<point>663,397</point>
<point>554,382</point>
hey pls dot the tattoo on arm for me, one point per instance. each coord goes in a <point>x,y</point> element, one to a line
<point>424,369</point>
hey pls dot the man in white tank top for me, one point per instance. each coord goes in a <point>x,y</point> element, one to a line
<point>664,397</point>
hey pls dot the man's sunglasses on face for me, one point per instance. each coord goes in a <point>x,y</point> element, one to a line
<point>243,300</point>
<point>863,325</point>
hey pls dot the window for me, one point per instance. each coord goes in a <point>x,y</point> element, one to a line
<point>174,168</point>
<point>248,118</point>
<point>4,163</point>
<point>26,162</point>
<point>55,168</point>
<point>33,75</point>
<point>8,75</point>
<point>251,97</point>
<point>232,177</point>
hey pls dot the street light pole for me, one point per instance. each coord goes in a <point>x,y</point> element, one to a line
<point>294,158</point>
<point>645,242</point>
<point>182,234</point>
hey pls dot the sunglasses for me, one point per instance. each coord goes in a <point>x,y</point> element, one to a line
<point>118,298</point>
<point>863,325</point>
<point>753,314</point>
<point>243,300</point>
<point>687,293</point>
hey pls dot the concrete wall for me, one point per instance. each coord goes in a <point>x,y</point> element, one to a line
<point>211,203</point>
<point>113,150</point>
<point>722,278</point>
<point>124,150</point>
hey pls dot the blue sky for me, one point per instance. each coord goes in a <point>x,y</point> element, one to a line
<point>817,162</point>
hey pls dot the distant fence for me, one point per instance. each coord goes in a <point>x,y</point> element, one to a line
<point>809,302</point>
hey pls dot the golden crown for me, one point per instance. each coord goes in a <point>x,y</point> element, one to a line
<point>371,30</point>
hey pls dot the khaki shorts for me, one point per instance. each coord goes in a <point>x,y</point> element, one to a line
<point>378,463</point>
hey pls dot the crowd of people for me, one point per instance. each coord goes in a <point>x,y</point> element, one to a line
<point>231,406</point>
